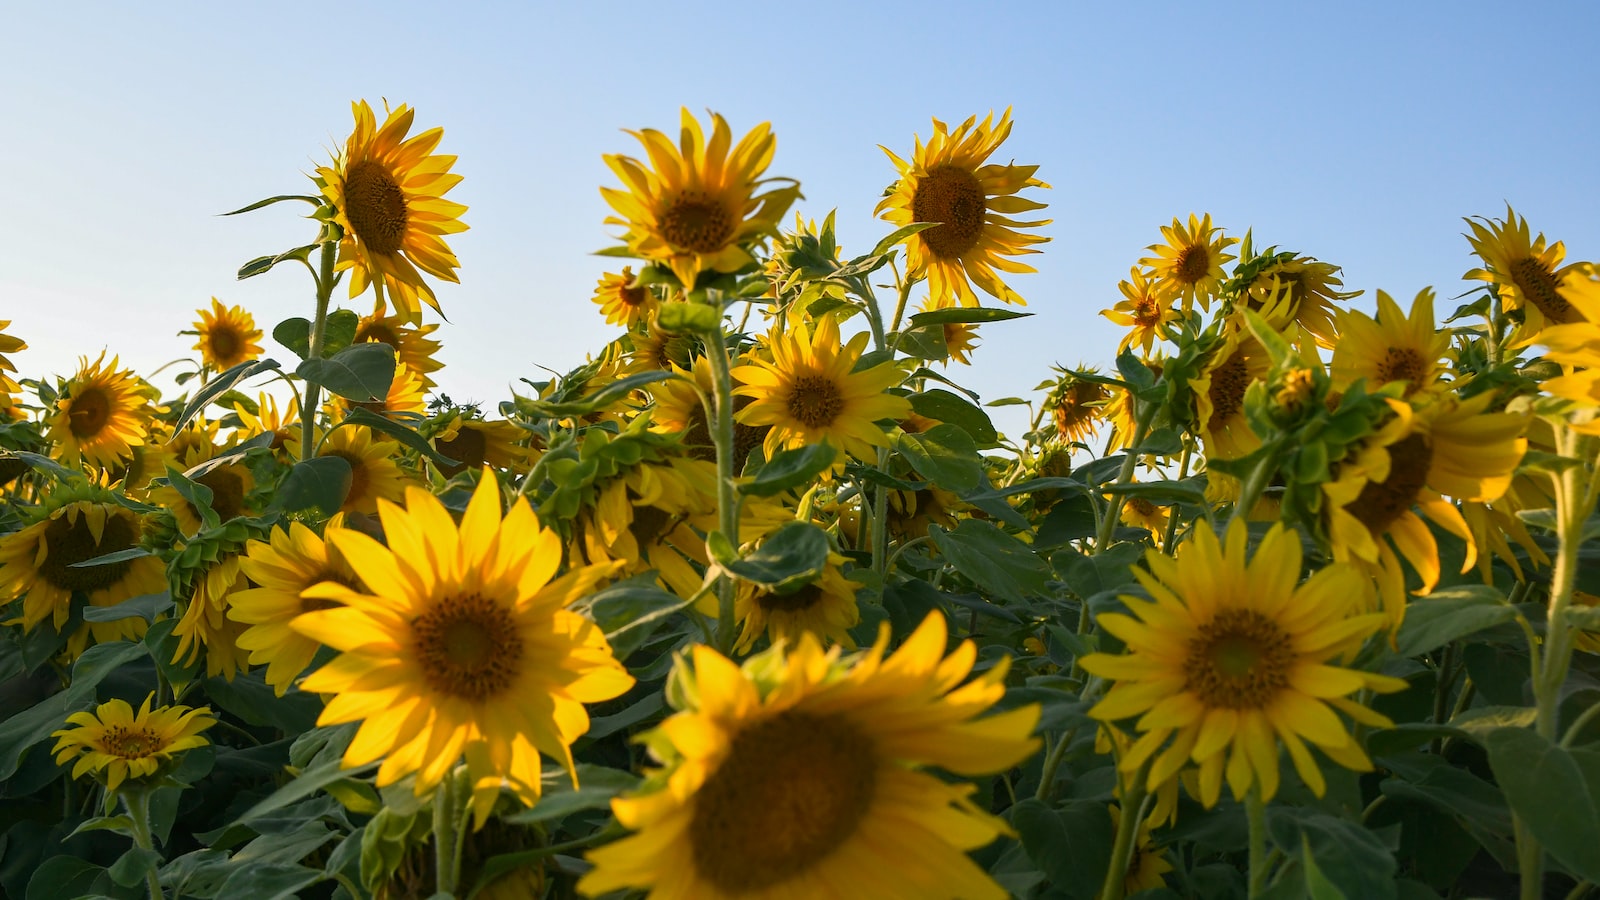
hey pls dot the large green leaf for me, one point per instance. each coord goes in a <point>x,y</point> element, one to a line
<point>1349,858</point>
<point>1449,615</point>
<point>360,372</point>
<point>1072,845</point>
<point>951,409</point>
<point>322,481</point>
<point>789,557</point>
<point>946,456</point>
<point>629,612</point>
<point>696,317</point>
<point>994,560</point>
<point>1546,788</point>
<point>594,790</point>
<point>220,385</point>
<point>790,469</point>
<point>145,606</point>
<point>965,315</point>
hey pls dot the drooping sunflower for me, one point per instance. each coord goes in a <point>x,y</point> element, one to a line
<point>644,519</point>
<point>1300,291</point>
<point>1393,347</point>
<point>656,350</point>
<point>808,392</point>
<point>1145,311</point>
<point>283,568</point>
<point>102,414</point>
<point>698,209</point>
<point>205,625</point>
<point>1219,396</point>
<point>798,776</point>
<point>473,443</point>
<point>412,346</point>
<point>623,302</point>
<point>115,744</point>
<point>1231,658</point>
<point>228,336</point>
<point>825,608</point>
<point>461,645</point>
<point>387,192</point>
<point>374,474</point>
<point>1077,406</point>
<point>950,181</point>
<point>1189,265</point>
<point>1524,271</point>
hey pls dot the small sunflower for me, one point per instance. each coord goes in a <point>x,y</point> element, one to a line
<point>800,776</point>
<point>1145,311</point>
<point>1526,273</point>
<point>1219,396</point>
<point>387,193</point>
<point>960,338</point>
<point>1189,265</point>
<point>374,475</point>
<point>461,645</point>
<point>1393,347</point>
<point>1077,406</point>
<point>102,414</point>
<point>655,350</point>
<point>205,625</point>
<point>283,568</point>
<point>824,608</point>
<point>809,392</point>
<point>116,744</point>
<point>228,336</point>
<point>1231,658</point>
<point>283,426</point>
<point>412,346</point>
<point>623,302</point>
<point>1300,290</point>
<point>1137,512</point>
<point>698,210</point>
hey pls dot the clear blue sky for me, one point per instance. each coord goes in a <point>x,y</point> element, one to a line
<point>1357,132</point>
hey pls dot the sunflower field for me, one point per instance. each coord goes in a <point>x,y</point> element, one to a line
<point>1284,599</point>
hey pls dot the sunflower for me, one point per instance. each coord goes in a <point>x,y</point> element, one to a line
<point>228,336</point>
<point>205,624</point>
<point>910,513</point>
<point>1300,290</point>
<point>412,346</point>
<point>1137,512</point>
<point>101,415</point>
<point>800,776</point>
<point>115,743</point>
<point>1145,311</point>
<point>1189,265</point>
<point>1231,658</point>
<point>825,608</point>
<point>1147,867</point>
<point>679,410</point>
<point>75,525</point>
<point>8,344</point>
<point>1526,273</point>
<point>1219,396</point>
<point>462,646</point>
<point>1577,344</point>
<point>644,519</point>
<point>1392,347</point>
<point>698,209</point>
<point>655,350</point>
<point>230,483</point>
<point>473,443</point>
<point>374,475</point>
<point>960,338</point>
<point>1077,406</point>
<point>948,181</point>
<point>809,392</point>
<point>623,302</point>
<point>283,426</point>
<point>282,568</point>
<point>387,194</point>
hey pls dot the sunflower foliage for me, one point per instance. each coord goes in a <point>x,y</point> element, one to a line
<point>1277,598</point>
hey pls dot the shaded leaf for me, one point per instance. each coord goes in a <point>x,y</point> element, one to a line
<point>793,555</point>
<point>1545,787</point>
<point>790,469</point>
<point>360,372</point>
<point>322,481</point>
<point>994,560</point>
<point>1449,615</point>
<point>946,456</point>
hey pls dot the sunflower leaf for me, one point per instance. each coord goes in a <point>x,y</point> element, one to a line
<point>323,481</point>
<point>899,235</point>
<point>1547,790</point>
<point>1350,858</point>
<point>42,463</point>
<point>1449,615</point>
<point>220,385</point>
<point>794,554</point>
<point>259,442</point>
<point>361,372</point>
<point>947,407</point>
<point>304,198</point>
<point>339,331</point>
<point>945,455</point>
<point>198,495</point>
<point>699,318</point>
<point>997,562</point>
<point>398,431</point>
<point>33,725</point>
<point>145,606</point>
<point>263,264</point>
<point>1072,845</point>
<point>790,469</point>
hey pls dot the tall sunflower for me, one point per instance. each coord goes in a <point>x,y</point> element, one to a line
<point>1077,406</point>
<point>1526,273</point>
<point>1145,311</point>
<point>698,209</point>
<point>205,624</point>
<point>1232,657</point>
<point>461,645</point>
<point>387,193</point>
<point>809,392</point>
<point>413,348</point>
<point>1189,265</point>
<point>1393,347</point>
<point>623,302</point>
<point>102,414</point>
<point>950,181</point>
<point>117,745</point>
<point>1219,396</point>
<point>228,336</point>
<point>282,568</point>
<point>1577,344</point>
<point>799,776</point>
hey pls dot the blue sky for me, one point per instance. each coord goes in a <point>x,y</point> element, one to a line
<point>1359,133</point>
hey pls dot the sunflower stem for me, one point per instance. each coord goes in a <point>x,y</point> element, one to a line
<point>1255,810</point>
<point>727,503</point>
<point>1172,517</point>
<point>446,836</point>
<point>137,801</point>
<point>1141,429</point>
<point>319,327</point>
<point>900,303</point>
<point>1128,821</point>
<point>1254,485</point>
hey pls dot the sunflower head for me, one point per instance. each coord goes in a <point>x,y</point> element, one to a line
<point>413,348</point>
<point>228,336</point>
<point>1525,272</point>
<point>1189,265</point>
<point>624,301</point>
<point>1145,311</point>
<point>1077,406</point>
<point>8,344</point>
<point>117,745</point>
<point>1394,347</point>
<point>1288,289</point>
<point>101,414</point>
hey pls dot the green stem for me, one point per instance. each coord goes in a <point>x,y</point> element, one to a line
<point>1052,762</point>
<point>1577,725</point>
<point>1172,515</point>
<point>1570,515</point>
<point>319,327</point>
<point>727,502</point>
<point>1530,861</point>
<point>1253,486</point>
<point>447,871</point>
<point>1127,836</point>
<point>1255,810</point>
<point>137,802</point>
<point>1141,428</point>
<point>900,304</point>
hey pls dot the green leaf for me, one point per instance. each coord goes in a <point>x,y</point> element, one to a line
<point>995,561</point>
<point>220,385</point>
<point>789,557</point>
<point>1318,887</point>
<point>119,824</point>
<point>259,442</point>
<point>949,408</point>
<point>1428,779</point>
<point>146,607</point>
<point>1479,723</point>
<point>131,866</point>
<point>269,881</point>
<point>303,198</point>
<point>62,878</point>
<point>322,481</point>
<point>197,495</point>
<point>1350,858</point>
<point>400,432</point>
<point>945,455</point>
<point>339,331</point>
<point>899,235</point>
<point>263,264</point>
<point>109,558</point>
<point>1449,615</point>
<point>606,396</point>
<point>629,612</point>
<point>302,786</point>
<point>699,318</point>
<point>559,798</point>
<point>1546,789</point>
<point>1072,845</point>
<point>1190,490</point>
<point>43,464</point>
<point>361,372</point>
<point>34,724</point>
<point>964,315</point>
<point>790,469</point>
<point>295,334</point>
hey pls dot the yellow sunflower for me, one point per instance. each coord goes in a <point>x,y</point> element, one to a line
<point>1219,396</point>
<point>1189,265</point>
<point>655,350</point>
<point>799,776</point>
<point>960,338</point>
<point>679,410</point>
<point>76,525</point>
<point>463,646</point>
<point>808,393</point>
<point>1137,512</point>
<point>1300,291</point>
<point>228,336</point>
<point>825,608</point>
<point>1147,867</point>
<point>473,443</point>
<point>950,181</point>
<point>8,344</point>
<point>1145,311</point>
<point>102,414</point>
<point>283,568</point>
<point>412,346</point>
<point>283,426</point>
<point>374,474</point>
<point>644,519</point>
<point>388,196</point>
<point>230,484</point>
<point>1231,658</point>
<point>116,744</point>
<point>698,209</point>
<point>205,624</point>
<point>1392,347</point>
<point>623,302</point>
<point>1526,273</point>
<point>1577,345</point>
<point>1077,406</point>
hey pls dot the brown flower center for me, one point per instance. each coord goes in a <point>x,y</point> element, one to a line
<point>66,543</point>
<point>226,344</point>
<point>791,790</point>
<point>137,742</point>
<point>1403,364</point>
<point>953,197</point>
<point>632,297</point>
<point>375,206</point>
<point>1538,285</point>
<point>1142,508</point>
<point>696,224</point>
<point>1193,264</point>
<point>1239,660</point>
<point>650,523</point>
<point>1229,382</point>
<point>794,601</point>
<point>468,647</point>
<point>815,401</point>
<point>1147,312</point>
<point>376,332</point>
<point>1075,410</point>
<point>227,492</point>
<point>89,412</point>
<point>468,448</point>
<point>1382,502</point>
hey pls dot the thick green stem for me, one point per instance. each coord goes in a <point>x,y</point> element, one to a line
<point>1253,487</point>
<point>1172,515</point>
<point>900,304</point>
<point>1572,487</point>
<point>446,835</point>
<point>1047,775</point>
<point>880,494</point>
<point>1530,861</point>
<point>137,802</point>
<point>727,501</point>
<point>1141,429</point>
<point>1255,810</point>
<point>319,327</point>
<point>1128,821</point>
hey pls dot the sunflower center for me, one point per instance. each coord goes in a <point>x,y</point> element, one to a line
<point>377,332</point>
<point>375,206</point>
<point>696,224</point>
<point>1142,508</point>
<point>468,448</point>
<point>1147,312</point>
<point>792,789</point>
<point>1239,660</point>
<point>66,543</point>
<point>1402,364</point>
<point>137,742</point>
<point>632,297</point>
<point>224,343</point>
<point>1193,264</point>
<point>227,492</point>
<point>358,477</point>
<point>1229,382</point>
<point>815,401</point>
<point>794,601</point>
<point>468,647</point>
<point>1537,283</point>
<point>953,197</point>
<point>650,524</point>
<point>1382,502</point>
<point>89,412</point>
